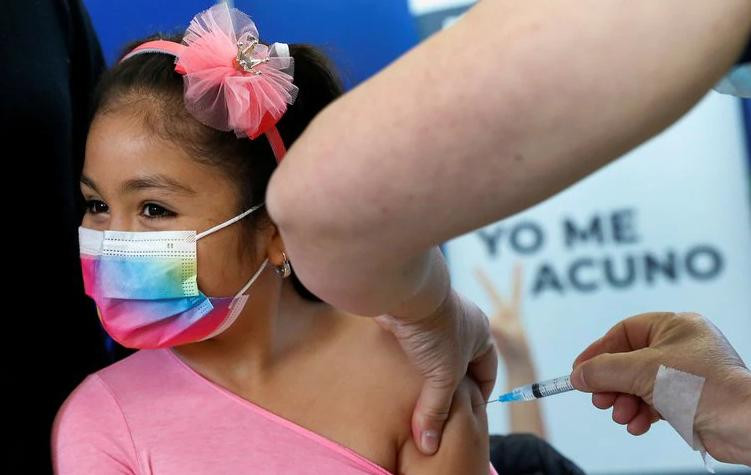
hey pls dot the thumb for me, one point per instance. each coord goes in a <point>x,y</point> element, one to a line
<point>430,415</point>
<point>630,372</point>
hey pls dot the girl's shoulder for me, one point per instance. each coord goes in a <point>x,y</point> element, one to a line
<point>386,380</point>
<point>389,385</point>
<point>90,433</point>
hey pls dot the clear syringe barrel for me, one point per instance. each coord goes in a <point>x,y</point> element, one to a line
<point>537,390</point>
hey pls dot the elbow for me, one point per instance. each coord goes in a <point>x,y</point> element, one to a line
<point>295,210</point>
<point>279,202</point>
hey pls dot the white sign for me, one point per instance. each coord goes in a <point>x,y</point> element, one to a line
<point>667,227</point>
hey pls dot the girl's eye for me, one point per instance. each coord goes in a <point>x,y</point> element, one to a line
<point>154,211</point>
<point>96,207</point>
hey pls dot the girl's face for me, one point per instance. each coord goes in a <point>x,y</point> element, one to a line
<point>133,180</point>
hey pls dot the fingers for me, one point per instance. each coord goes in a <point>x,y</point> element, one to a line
<point>628,410</point>
<point>603,400</point>
<point>631,334</point>
<point>484,370</point>
<point>632,373</point>
<point>625,408</point>
<point>430,415</point>
<point>489,288</point>
<point>634,413</point>
<point>614,341</point>
<point>643,420</point>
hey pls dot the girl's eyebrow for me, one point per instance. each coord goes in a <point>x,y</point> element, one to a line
<point>158,181</point>
<point>88,182</point>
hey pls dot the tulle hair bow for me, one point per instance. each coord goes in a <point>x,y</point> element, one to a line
<point>231,80</point>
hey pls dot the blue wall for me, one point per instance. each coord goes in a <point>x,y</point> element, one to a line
<point>361,36</point>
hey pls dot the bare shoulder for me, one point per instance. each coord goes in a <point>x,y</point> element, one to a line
<point>379,373</point>
<point>392,386</point>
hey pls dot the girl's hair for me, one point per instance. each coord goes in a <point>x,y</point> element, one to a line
<point>148,86</point>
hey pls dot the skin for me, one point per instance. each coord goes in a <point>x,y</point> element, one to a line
<point>620,369</point>
<point>513,103</point>
<point>340,376</point>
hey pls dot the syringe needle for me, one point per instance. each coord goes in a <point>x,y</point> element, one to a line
<point>485,403</point>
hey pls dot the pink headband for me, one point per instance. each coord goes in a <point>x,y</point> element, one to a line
<point>232,82</point>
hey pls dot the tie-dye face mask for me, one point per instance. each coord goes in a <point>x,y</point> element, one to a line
<point>146,290</point>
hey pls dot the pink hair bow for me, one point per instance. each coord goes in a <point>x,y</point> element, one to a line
<point>232,82</point>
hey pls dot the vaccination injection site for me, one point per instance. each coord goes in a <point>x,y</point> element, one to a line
<point>492,237</point>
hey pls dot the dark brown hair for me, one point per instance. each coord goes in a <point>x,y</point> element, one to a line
<point>148,85</point>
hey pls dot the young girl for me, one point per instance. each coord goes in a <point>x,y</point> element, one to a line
<point>240,369</point>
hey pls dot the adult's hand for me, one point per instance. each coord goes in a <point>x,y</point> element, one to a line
<point>445,345</point>
<point>620,369</point>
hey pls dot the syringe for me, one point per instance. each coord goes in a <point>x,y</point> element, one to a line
<point>534,391</point>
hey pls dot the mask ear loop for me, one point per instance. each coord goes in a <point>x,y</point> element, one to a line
<point>228,222</point>
<point>252,279</point>
<point>240,299</point>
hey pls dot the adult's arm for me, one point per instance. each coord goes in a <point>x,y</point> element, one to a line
<point>510,105</point>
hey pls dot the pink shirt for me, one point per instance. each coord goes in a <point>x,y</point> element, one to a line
<point>152,413</point>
